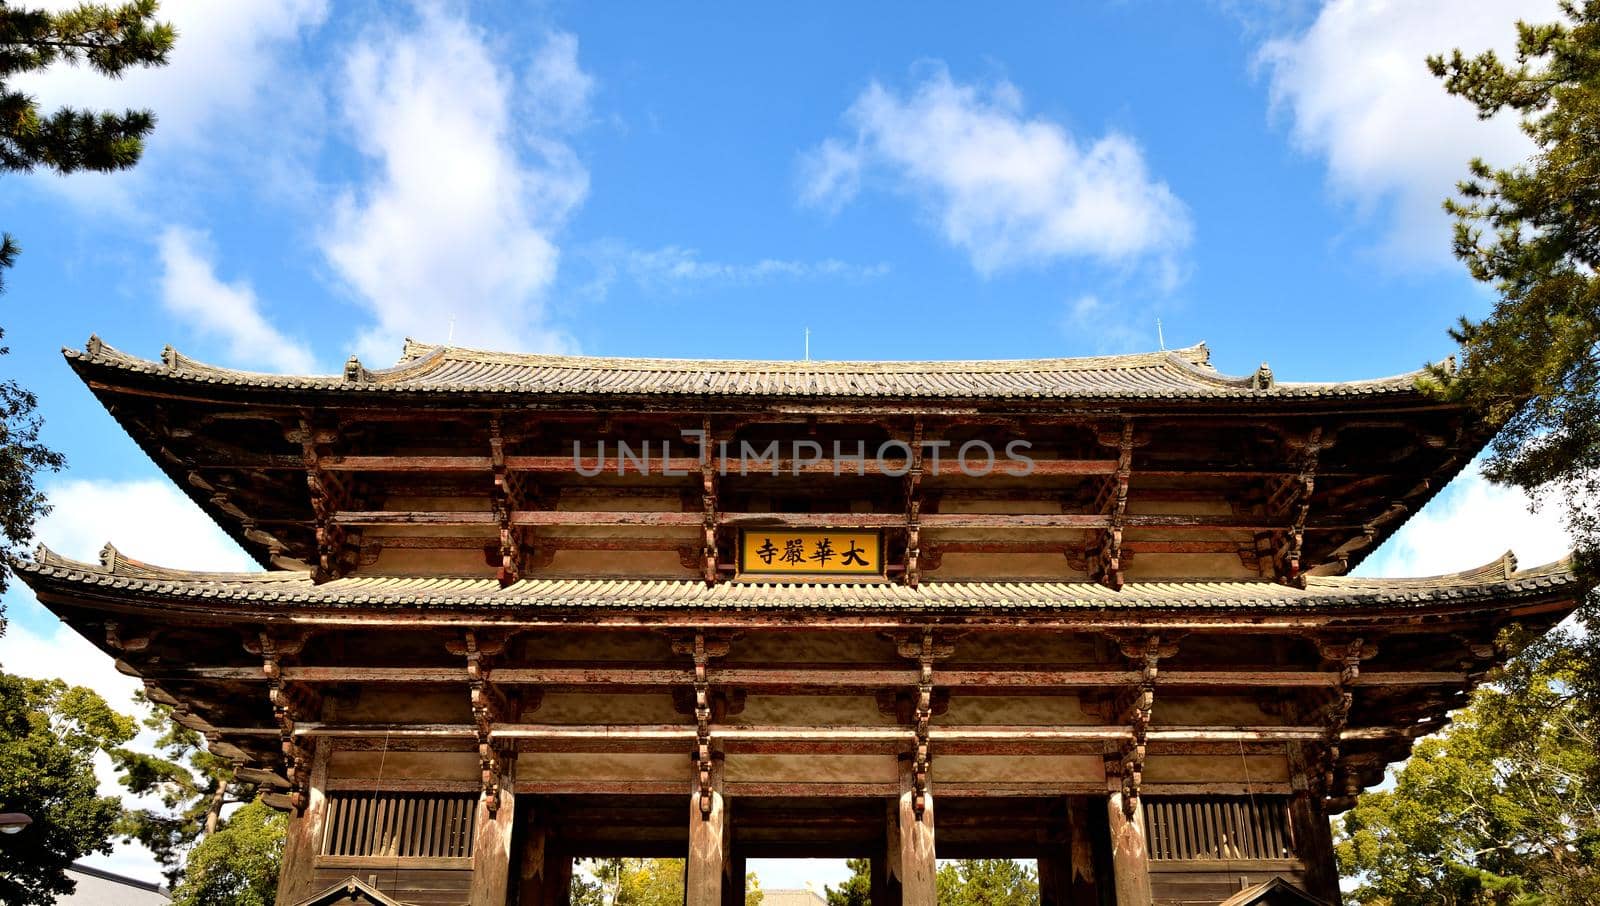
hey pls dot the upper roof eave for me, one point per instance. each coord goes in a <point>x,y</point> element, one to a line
<point>1500,580</point>
<point>1182,374</point>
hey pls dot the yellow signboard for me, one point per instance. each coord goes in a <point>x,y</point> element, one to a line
<point>810,554</point>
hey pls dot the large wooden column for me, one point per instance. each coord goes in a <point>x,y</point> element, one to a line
<point>733,880</point>
<point>491,846</point>
<point>708,842</point>
<point>1066,868</point>
<point>303,841</point>
<point>885,889</point>
<point>912,840</point>
<point>1313,837</point>
<point>1130,863</point>
<point>535,857</point>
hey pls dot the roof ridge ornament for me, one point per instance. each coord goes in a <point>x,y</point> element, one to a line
<point>1262,379</point>
<point>169,357</point>
<point>94,346</point>
<point>109,556</point>
<point>355,372</point>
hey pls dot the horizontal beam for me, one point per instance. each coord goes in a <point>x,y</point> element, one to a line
<point>685,465</point>
<point>813,520</point>
<point>779,678</point>
<point>676,733</point>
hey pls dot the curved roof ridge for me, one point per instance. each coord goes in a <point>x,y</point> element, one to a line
<point>1197,356</point>
<point>112,562</point>
<point>1185,373</point>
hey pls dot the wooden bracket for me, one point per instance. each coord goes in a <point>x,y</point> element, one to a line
<point>925,649</point>
<point>1291,499</point>
<point>489,706</point>
<point>507,497</point>
<point>291,703</point>
<point>1346,654</point>
<point>1136,707</point>
<point>913,487</point>
<point>1104,555</point>
<point>330,492</point>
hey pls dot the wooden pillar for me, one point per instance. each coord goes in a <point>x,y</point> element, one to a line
<point>557,876</point>
<point>534,856</point>
<point>708,843</point>
<point>733,881</point>
<point>885,889</point>
<point>1308,822</point>
<point>918,868</point>
<point>491,845</point>
<point>1080,881</point>
<point>303,841</point>
<point>1130,863</point>
<point>1053,876</point>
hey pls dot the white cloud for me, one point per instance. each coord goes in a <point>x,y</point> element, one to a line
<point>226,311</point>
<point>676,266</point>
<point>148,520</point>
<point>1469,524</point>
<point>1092,323</point>
<point>225,56</point>
<point>457,227</point>
<point>1006,188</point>
<point>1360,96</point>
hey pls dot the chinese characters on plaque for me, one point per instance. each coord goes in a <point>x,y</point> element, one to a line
<point>809,554</point>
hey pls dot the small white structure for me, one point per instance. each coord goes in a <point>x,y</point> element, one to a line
<point>98,887</point>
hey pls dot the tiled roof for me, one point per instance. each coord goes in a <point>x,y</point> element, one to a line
<point>1173,374</point>
<point>1496,581</point>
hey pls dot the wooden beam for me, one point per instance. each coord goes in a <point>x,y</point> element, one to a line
<point>780,678</point>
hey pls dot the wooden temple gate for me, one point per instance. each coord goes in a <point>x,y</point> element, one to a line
<point>522,610</point>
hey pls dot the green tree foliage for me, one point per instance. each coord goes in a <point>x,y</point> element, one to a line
<point>987,882</point>
<point>1503,809</point>
<point>49,735</point>
<point>1532,231</point>
<point>193,786</point>
<point>857,889</point>
<point>238,864</point>
<point>965,882</point>
<point>110,39</point>
<point>640,882</point>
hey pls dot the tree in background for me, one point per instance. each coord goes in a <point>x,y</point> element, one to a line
<point>238,864</point>
<point>49,735</point>
<point>857,889</point>
<point>1533,232</point>
<point>961,882</point>
<point>193,786</point>
<point>1503,808</point>
<point>1506,807</point>
<point>987,882</point>
<point>640,882</point>
<point>110,39</point>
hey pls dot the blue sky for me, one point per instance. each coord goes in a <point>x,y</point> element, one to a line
<point>905,180</point>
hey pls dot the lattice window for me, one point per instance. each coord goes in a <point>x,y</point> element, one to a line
<point>1217,827</point>
<point>400,825</point>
